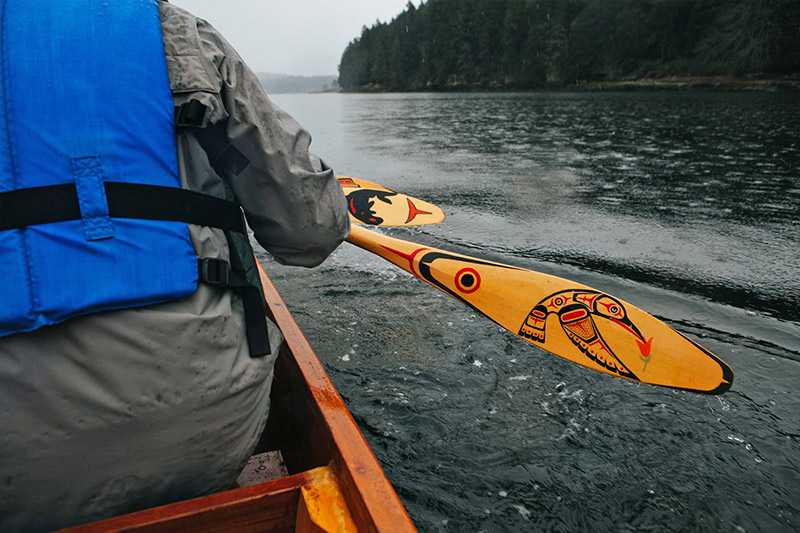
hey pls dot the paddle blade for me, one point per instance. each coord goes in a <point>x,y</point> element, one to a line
<point>573,321</point>
<point>375,205</point>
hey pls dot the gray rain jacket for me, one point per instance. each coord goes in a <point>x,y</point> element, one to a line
<point>123,410</point>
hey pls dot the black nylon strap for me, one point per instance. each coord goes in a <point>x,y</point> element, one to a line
<point>254,317</point>
<point>57,203</point>
<point>219,272</point>
<point>191,114</point>
<point>253,302</point>
<point>222,155</point>
<point>38,205</point>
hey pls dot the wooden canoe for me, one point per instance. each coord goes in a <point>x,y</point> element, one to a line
<point>334,484</point>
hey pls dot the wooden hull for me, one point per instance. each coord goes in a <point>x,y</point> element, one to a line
<point>335,481</point>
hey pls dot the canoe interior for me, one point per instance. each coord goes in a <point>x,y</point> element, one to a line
<point>335,482</point>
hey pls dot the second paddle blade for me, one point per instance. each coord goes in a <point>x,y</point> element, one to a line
<point>375,205</point>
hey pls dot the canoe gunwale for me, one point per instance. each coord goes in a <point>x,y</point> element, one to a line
<point>369,494</point>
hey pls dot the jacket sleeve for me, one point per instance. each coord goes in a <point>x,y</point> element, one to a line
<point>291,199</point>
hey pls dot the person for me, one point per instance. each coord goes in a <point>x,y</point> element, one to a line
<point>118,394</point>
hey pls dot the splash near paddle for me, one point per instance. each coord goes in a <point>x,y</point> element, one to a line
<point>573,321</point>
<point>375,205</point>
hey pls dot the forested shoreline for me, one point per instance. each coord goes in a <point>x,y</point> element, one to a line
<point>529,44</point>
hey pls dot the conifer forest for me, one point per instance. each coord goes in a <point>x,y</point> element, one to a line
<point>527,44</point>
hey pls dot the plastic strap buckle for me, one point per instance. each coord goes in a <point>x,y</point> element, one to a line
<point>215,271</point>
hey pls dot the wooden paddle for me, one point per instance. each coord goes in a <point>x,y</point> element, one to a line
<point>573,321</point>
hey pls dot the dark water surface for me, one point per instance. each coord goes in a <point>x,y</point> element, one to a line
<point>684,204</point>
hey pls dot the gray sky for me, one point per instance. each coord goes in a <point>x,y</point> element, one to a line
<point>301,37</point>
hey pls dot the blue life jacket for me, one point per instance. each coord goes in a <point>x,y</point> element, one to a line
<point>92,214</point>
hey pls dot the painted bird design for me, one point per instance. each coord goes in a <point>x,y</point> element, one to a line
<point>360,203</point>
<point>577,311</point>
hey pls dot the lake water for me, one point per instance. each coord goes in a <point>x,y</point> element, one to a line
<point>686,204</point>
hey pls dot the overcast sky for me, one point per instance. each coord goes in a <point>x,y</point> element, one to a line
<point>300,37</point>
